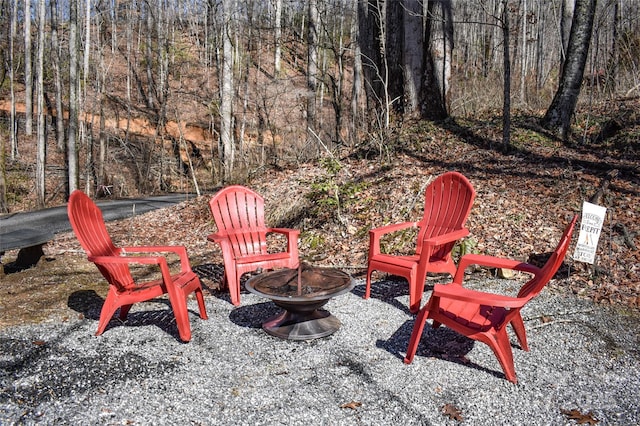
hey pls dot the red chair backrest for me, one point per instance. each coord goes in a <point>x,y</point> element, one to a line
<point>88,225</point>
<point>239,212</point>
<point>447,204</point>
<point>533,287</point>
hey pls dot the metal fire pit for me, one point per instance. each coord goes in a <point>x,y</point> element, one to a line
<point>301,293</point>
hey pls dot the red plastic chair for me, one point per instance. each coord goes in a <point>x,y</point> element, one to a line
<point>447,203</point>
<point>239,215</point>
<point>484,316</point>
<point>113,262</point>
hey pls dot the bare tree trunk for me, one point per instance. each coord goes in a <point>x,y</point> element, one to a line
<point>558,116</point>
<point>565,29</point>
<point>55,63</point>
<point>312,65</point>
<point>85,137</point>
<point>437,57</point>
<point>227,152</point>
<point>506,101</point>
<point>612,73</point>
<point>393,53</point>
<point>28,73</point>
<point>72,150</point>
<point>358,101</point>
<point>277,37</point>
<point>41,155</point>
<point>371,43</point>
<point>523,54</point>
<point>4,207</point>
<point>412,59</point>
<point>12,79</point>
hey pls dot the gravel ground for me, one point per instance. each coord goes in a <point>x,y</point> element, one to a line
<point>583,357</point>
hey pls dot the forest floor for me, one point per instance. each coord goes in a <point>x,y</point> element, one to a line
<point>525,197</point>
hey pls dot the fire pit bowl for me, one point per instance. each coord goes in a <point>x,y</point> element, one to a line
<point>301,293</point>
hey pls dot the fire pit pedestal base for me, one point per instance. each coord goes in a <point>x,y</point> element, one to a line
<point>299,322</point>
<point>301,293</point>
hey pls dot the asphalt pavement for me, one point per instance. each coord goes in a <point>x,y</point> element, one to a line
<point>53,220</point>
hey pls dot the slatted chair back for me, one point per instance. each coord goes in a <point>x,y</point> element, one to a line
<point>88,224</point>
<point>239,214</point>
<point>534,286</point>
<point>447,204</point>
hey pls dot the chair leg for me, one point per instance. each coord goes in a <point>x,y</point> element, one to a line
<point>367,290</point>
<point>501,347</point>
<point>416,334</point>
<point>181,313</point>
<point>109,308</point>
<point>201,306</point>
<point>521,334</point>
<point>124,311</point>
<point>233,282</point>
<point>235,292</point>
<point>415,292</point>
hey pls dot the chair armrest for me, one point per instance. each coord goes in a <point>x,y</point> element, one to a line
<point>457,292</point>
<point>290,233</point>
<point>126,260</point>
<point>449,237</point>
<point>492,262</point>
<point>292,239</point>
<point>216,237</point>
<point>392,228</point>
<point>377,233</point>
<point>181,251</point>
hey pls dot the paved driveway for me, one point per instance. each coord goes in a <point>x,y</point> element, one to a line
<point>54,219</point>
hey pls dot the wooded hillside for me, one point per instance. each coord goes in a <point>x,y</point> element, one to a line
<point>177,96</point>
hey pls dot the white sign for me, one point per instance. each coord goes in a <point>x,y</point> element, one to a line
<point>590,227</point>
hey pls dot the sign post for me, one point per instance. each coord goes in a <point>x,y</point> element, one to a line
<point>590,226</point>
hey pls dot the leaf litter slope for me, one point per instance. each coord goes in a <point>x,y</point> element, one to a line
<point>524,199</point>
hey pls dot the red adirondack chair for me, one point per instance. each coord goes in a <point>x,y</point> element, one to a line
<point>447,203</point>
<point>484,316</point>
<point>239,216</point>
<point>114,264</point>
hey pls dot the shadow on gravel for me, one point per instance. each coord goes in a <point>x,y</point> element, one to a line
<point>441,343</point>
<point>89,304</point>
<point>252,316</point>
<point>388,290</point>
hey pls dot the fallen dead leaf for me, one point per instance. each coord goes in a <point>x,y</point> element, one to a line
<point>352,405</point>
<point>452,412</point>
<point>580,418</point>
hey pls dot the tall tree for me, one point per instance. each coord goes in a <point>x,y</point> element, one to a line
<point>566,16</point>
<point>73,175</point>
<point>558,116</point>
<point>227,151</point>
<point>358,100</point>
<point>413,17</point>
<point>370,29</point>
<point>277,37</point>
<point>506,59</point>
<point>437,59</point>
<point>28,73</point>
<point>41,156</point>
<point>55,64</point>
<point>312,66</point>
<point>12,79</point>
<point>393,34</point>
